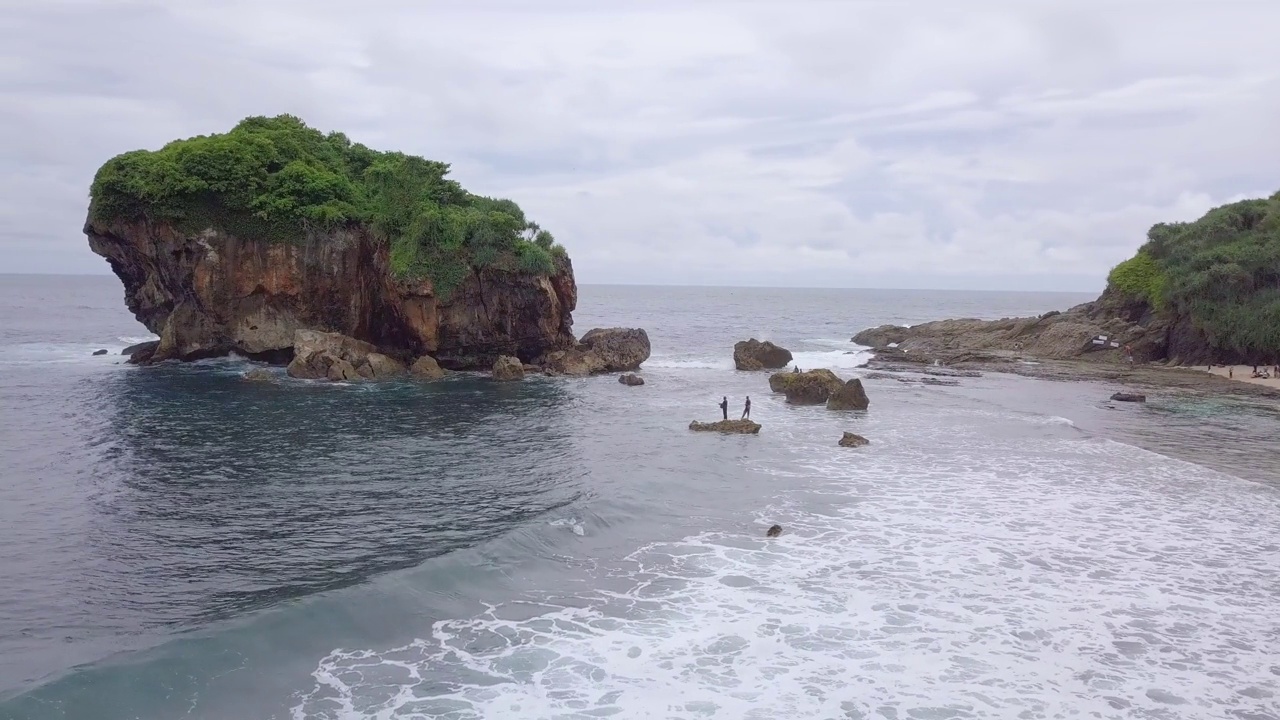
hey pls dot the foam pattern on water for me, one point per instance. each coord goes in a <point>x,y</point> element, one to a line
<point>948,577</point>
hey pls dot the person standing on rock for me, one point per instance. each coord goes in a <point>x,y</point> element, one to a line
<point>724,407</point>
<point>746,409</point>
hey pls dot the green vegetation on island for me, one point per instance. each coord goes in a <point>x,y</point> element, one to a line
<point>279,180</point>
<point>1220,273</point>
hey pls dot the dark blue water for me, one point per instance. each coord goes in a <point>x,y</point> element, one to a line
<point>180,542</point>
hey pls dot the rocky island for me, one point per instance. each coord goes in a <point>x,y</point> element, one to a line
<point>1195,294</point>
<point>235,242</point>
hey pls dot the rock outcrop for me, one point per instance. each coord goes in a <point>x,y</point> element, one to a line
<point>1074,334</point>
<point>740,427</point>
<point>332,356</point>
<point>259,375</point>
<point>850,396</point>
<point>1129,397</point>
<point>811,387</point>
<point>851,440</point>
<point>631,379</point>
<point>602,350</point>
<point>426,368</point>
<point>211,293</point>
<point>508,368</point>
<point>755,355</point>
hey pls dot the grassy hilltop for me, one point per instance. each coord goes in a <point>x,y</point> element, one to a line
<point>1217,278</point>
<point>276,179</point>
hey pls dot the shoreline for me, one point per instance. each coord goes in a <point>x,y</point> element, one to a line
<point>1186,379</point>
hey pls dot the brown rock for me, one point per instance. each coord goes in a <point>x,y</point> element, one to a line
<point>618,349</point>
<point>259,375</point>
<point>508,368</point>
<point>427,368</point>
<point>1128,397</point>
<point>209,293</point>
<point>740,427</point>
<point>774,531</point>
<point>631,379</point>
<point>316,353</point>
<point>850,396</point>
<point>850,440</point>
<point>755,355</point>
<point>811,387</point>
<point>377,366</point>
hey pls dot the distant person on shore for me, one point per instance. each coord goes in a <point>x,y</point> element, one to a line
<point>795,369</point>
<point>1128,354</point>
<point>746,409</point>
<point>724,407</point>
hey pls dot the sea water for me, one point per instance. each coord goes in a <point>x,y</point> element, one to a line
<point>180,542</point>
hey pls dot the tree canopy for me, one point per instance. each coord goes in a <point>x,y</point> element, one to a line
<point>278,179</point>
<point>1222,272</point>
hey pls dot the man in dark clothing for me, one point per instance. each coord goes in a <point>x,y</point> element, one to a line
<point>724,407</point>
<point>746,410</point>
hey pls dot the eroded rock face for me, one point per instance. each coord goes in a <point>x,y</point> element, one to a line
<point>850,396</point>
<point>811,387</point>
<point>755,355</point>
<point>508,368</point>
<point>211,293</point>
<point>602,350</point>
<point>851,440</point>
<point>739,427</point>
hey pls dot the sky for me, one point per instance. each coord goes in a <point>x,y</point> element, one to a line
<point>1021,145</point>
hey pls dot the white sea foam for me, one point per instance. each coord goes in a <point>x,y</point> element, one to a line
<point>954,576</point>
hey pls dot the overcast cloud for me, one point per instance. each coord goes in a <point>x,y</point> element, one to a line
<point>925,143</point>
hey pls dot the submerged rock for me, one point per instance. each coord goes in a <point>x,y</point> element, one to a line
<point>935,381</point>
<point>755,355</point>
<point>741,427</point>
<point>774,531</point>
<point>259,375</point>
<point>850,396</point>
<point>631,379</point>
<point>508,368</point>
<point>851,440</point>
<point>1128,397</point>
<point>427,368</point>
<point>100,352</point>
<point>811,387</point>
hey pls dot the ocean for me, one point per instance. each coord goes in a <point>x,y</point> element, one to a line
<point>181,543</point>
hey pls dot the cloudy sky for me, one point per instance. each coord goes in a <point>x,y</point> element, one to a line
<point>909,143</point>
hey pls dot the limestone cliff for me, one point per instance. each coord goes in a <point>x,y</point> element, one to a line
<point>211,293</point>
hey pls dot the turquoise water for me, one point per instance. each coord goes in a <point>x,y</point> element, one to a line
<point>182,543</point>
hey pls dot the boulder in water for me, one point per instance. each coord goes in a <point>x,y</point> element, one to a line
<point>740,427</point>
<point>851,440</point>
<point>99,352</point>
<point>508,368</point>
<point>850,396</point>
<point>377,366</point>
<point>774,531</point>
<point>142,352</point>
<point>618,349</point>
<point>631,379</point>
<point>1128,397</point>
<point>601,350</point>
<point>315,353</point>
<point>811,387</point>
<point>755,355</point>
<point>427,368</point>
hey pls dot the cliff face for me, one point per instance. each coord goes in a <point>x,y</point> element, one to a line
<point>211,294</point>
